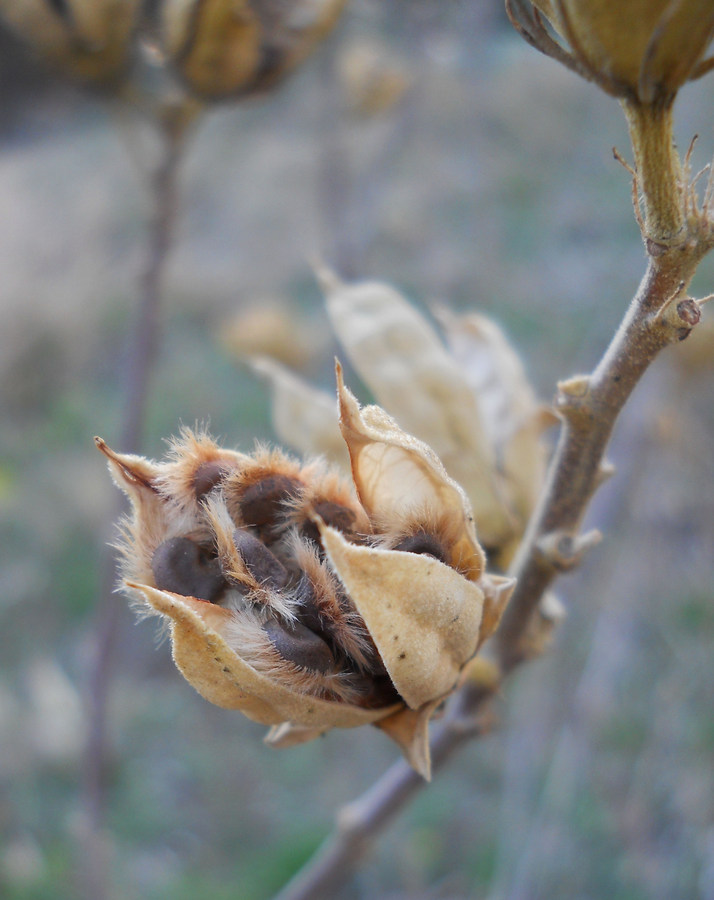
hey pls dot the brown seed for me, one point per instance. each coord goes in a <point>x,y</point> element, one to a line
<point>207,476</point>
<point>340,517</point>
<point>299,645</point>
<point>183,567</point>
<point>262,504</point>
<point>262,564</point>
<point>421,542</point>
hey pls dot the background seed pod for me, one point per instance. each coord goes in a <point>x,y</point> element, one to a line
<point>224,48</point>
<point>88,39</point>
<point>646,49</point>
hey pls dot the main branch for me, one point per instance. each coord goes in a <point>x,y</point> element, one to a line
<point>659,315</point>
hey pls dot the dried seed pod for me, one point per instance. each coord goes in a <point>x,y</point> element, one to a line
<point>643,50</point>
<point>88,39</point>
<point>230,48</point>
<point>310,632</point>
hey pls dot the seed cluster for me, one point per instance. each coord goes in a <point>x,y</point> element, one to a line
<point>241,532</point>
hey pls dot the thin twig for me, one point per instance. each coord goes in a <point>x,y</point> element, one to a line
<point>360,822</point>
<point>136,373</point>
<point>590,407</point>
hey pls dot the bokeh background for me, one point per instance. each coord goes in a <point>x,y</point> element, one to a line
<point>488,183</point>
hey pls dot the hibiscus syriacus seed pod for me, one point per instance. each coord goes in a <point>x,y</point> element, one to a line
<point>303,601</point>
<point>641,50</point>
<point>231,48</point>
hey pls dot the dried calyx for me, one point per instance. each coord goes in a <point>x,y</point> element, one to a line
<point>642,50</point>
<point>303,601</point>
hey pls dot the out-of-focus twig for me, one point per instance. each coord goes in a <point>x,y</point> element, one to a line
<point>135,375</point>
<point>360,822</point>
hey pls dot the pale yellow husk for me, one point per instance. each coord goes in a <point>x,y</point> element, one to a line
<point>401,359</point>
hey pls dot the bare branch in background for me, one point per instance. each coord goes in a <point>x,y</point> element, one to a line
<point>136,374</point>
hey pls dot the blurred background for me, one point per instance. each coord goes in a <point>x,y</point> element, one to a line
<point>426,145</point>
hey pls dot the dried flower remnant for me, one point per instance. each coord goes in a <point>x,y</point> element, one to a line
<point>303,601</point>
<point>90,40</point>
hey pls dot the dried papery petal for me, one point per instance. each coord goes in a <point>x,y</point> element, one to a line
<point>217,672</point>
<point>497,590</point>
<point>409,729</point>
<point>303,417</point>
<point>423,616</point>
<point>512,417</point>
<point>399,478</point>
<point>288,735</point>
<point>89,39</point>
<point>400,358</point>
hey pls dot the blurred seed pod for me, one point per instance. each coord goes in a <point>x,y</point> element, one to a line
<point>372,81</point>
<point>306,602</point>
<point>232,48</point>
<point>269,328</point>
<point>643,50</point>
<point>89,40</point>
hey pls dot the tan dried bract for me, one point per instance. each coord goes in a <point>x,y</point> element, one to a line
<point>302,600</point>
